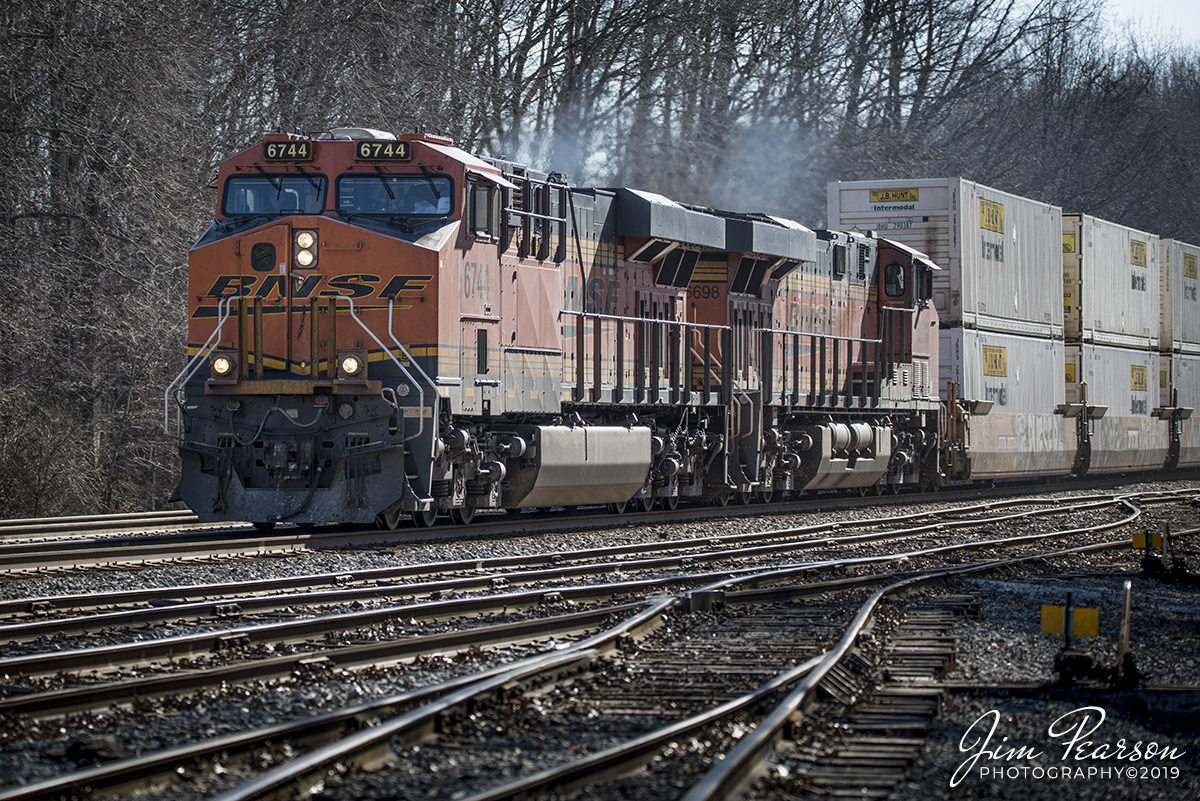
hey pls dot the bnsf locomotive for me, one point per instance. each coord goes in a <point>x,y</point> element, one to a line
<point>383,326</point>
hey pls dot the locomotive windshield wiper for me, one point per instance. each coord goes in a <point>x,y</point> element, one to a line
<point>437,195</point>
<point>315,185</point>
<point>239,221</point>
<point>402,220</point>
<point>383,179</point>
<point>277,186</point>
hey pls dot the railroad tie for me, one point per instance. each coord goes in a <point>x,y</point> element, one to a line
<point>886,730</point>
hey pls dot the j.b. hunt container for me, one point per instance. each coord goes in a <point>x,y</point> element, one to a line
<point>1126,430</point>
<point>1179,401</point>
<point>1000,253</point>
<point>1011,390</point>
<point>1110,283</point>
<point>1179,312</point>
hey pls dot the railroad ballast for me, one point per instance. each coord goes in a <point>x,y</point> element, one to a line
<point>383,325</point>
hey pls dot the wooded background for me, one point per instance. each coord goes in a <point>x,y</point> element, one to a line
<point>115,114</point>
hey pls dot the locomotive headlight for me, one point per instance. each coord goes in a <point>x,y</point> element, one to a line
<point>223,364</point>
<point>304,254</point>
<point>351,364</point>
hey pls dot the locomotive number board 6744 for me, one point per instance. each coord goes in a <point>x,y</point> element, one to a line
<point>382,150</point>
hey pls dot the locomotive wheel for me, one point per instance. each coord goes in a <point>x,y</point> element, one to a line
<point>388,521</point>
<point>643,504</point>
<point>463,516</point>
<point>424,518</point>
<point>670,502</point>
<point>264,525</point>
<point>618,508</point>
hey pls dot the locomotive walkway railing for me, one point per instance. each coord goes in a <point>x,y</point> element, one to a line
<point>669,361</point>
<point>824,370</point>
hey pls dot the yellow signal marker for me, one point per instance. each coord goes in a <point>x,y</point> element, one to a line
<point>1139,540</point>
<point>1086,622</point>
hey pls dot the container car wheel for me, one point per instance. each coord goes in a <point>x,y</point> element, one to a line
<point>670,502</point>
<point>765,494</point>
<point>722,498</point>
<point>644,504</point>
<point>463,516</point>
<point>424,518</point>
<point>744,498</point>
<point>618,508</point>
<point>264,525</point>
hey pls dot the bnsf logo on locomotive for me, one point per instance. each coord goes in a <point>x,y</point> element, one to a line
<point>353,285</point>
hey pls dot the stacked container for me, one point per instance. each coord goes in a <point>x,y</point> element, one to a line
<point>1179,345</point>
<point>997,299</point>
<point>1113,321</point>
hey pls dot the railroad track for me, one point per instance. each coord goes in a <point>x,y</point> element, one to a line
<point>751,587</point>
<point>55,547</point>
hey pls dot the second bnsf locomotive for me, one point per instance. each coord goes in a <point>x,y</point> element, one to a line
<point>384,326</point>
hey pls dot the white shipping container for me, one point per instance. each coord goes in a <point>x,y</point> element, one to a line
<point>1183,392</point>
<point>1017,384</point>
<point>1179,312</point>
<point>1110,283</point>
<point>1000,253</point>
<point>1122,392</point>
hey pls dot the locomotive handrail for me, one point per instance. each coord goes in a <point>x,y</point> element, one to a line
<point>420,392</point>
<point>223,311</point>
<point>388,351</point>
<point>877,341</point>
<point>819,388</point>
<point>679,355</point>
<point>667,321</point>
<point>533,214</point>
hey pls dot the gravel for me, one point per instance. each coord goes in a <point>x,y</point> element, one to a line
<point>1004,645</point>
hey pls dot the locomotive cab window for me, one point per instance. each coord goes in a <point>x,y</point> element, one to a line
<point>252,195</point>
<point>893,279</point>
<point>839,261</point>
<point>481,210</point>
<point>922,283</point>
<point>385,195</point>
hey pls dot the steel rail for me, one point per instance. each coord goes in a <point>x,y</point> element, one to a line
<point>365,742</point>
<point>438,698</point>
<point>191,645</point>
<point>484,579</point>
<point>625,757</point>
<point>209,591</point>
<point>409,727</point>
<point>754,750</point>
<point>73,553</point>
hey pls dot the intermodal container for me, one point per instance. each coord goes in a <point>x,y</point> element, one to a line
<point>1000,253</point>
<point>1179,310</point>
<point>1110,283</point>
